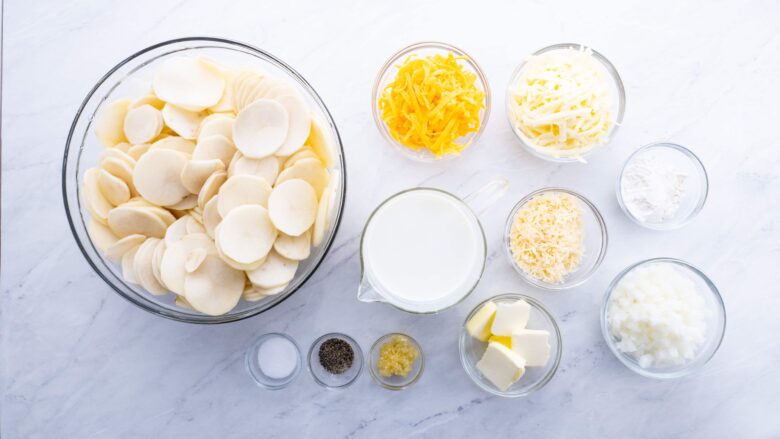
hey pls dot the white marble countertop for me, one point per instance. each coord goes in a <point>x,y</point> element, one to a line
<point>81,362</point>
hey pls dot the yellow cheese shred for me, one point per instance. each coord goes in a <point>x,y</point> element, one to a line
<point>547,237</point>
<point>431,103</point>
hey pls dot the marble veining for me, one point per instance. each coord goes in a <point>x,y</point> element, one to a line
<point>78,361</point>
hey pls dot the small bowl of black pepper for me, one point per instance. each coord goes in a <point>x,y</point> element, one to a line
<point>335,360</point>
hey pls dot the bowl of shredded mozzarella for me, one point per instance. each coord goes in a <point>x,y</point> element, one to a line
<point>564,101</point>
<point>663,318</point>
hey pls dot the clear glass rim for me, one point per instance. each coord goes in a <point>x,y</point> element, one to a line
<point>697,163</point>
<point>481,230</point>
<point>253,351</point>
<point>565,285</point>
<point>464,336</point>
<point>149,305</point>
<point>421,155</point>
<point>358,357</point>
<point>379,379</point>
<point>622,357</point>
<point>621,91</point>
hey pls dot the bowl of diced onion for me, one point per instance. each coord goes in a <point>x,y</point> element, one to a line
<point>564,102</point>
<point>663,318</point>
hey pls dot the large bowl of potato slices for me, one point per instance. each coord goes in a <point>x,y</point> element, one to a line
<point>204,180</point>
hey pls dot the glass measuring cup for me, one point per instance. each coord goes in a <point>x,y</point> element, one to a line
<point>394,247</point>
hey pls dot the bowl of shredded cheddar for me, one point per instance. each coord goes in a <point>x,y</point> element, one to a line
<point>431,101</point>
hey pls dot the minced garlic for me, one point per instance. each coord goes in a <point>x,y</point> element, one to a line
<point>397,356</point>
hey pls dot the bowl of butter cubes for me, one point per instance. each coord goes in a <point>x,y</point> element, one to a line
<point>510,345</point>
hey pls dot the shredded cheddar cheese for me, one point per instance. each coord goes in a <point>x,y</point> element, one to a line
<point>432,103</point>
<point>547,238</point>
<point>561,103</point>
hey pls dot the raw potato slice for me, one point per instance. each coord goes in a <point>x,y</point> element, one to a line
<point>101,236</point>
<point>118,154</point>
<point>175,143</point>
<point>241,190</point>
<point>321,222</point>
<point>188,202</point>
<point>182,122</point>
<point>157,176</point>
<point>254,294</point>
<point>211,187</point>
<point>130,220</point>
<point>217,124</point>
<point>120,169</point>
<point>189,83</point>
<point>299,124</point>
<point>110,121</point>
<point>172,269</point>
<point>181,302</point>
<point>333,188</point>
<point>260,128</point>
<point>142,264</point>
<point>310,170</point>
<point>304,153</point>
<point>237,265</point>
<point>194,259</point>
<point>246,234</point>
<point>123,146</point>
<point>214,147</point>
<point>122,246</point>
<point>321,143</point>
<point>214,288</point>
<point>246,84</point>
<point>113,188</point>
<point>292,207</point>
<point>149,99</point>
<point>136,151</point>
<point>159,251</point>
<point>296,248</point>
<point>211,216</point>
<point>164,214</point>
<point>97,204</point>
<point>194,226</point>
<point>128,271</point>
<point>276,271</point>
<point>176,231</point>
<point>142,124</point>
<point>267,168</point>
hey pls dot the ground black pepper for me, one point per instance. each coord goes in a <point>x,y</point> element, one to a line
<point>336,355</point>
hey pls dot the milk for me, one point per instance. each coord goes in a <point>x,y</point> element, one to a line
<point>423,250</point>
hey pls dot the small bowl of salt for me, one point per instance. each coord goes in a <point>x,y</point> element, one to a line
<point>274,361</point>
<point>662,186</point>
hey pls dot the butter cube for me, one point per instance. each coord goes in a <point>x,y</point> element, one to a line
<point>479,325</point>
<point>511,317</point>
<point>504,340</point>
<point>501,366</point>
<point>533,345</point>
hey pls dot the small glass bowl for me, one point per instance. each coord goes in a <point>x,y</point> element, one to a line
<point>471,350</point>
<point>332,380</point>
<point>256,372</point>
<point>716,323</point>
<point>695,195</point>
<point>596,239</point>
<point>387,74</point>
<point>619,104</point>
<point>395,382</point>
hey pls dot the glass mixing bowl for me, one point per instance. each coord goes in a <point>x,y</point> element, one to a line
<point>132,78</point>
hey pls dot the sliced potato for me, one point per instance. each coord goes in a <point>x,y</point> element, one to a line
<point>246,234</point>
<point>195,257</point>
<point>217,124</point>
<point>118,154</point>
<point>238,265</point>
<point>189,83</point>
<point>97,204</point>
<point>310,170</point>
<point>157,176</point>
<point>321,142</point>
<point>211,187</point>
<point>109,123</point>
<point>303,153</point>
<point>175,143</point>
<point>254,294</point>
<point>277,270</point>
<point>122,246</point>
<point>193,225</point>
<point>214,288</point>
<point>123,146</point>
<point>136,151</point>
<point>240,190</point>
<point>142,264</point>
<point>172,270</point>
<point>188,202</point>
<point>296,248</point>
<point>149,99</point>
<point>161,212</point>
<point>119,168</point>
<point>102,237</point>
<point>211,216</point>
<point>176,231</point>
<point>292,207</point>
<point>183,122</point>
<point>142,124</point>
<point>128,271</point>
<point>181,302</point>
<point>214,147</point>
<point>113,188</point>
<point>196,172</point>
<point>321,222</point>
<point>261,128</point>
<point>130,220</point>
<point>299,124</point>
<point>267,168</point>
<point>159,251</point>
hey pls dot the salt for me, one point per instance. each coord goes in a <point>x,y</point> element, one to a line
<point>277,357</point>
<point>653,187</point>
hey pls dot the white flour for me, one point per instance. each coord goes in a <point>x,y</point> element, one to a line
<point>653,187</point>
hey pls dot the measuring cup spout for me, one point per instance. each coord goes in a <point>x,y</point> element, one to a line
<point>483,198</point>
<point>367,293</point>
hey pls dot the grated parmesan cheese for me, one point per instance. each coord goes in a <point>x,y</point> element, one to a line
<point>547,236</point>
<point>432,103</point>
<point>561,103</point>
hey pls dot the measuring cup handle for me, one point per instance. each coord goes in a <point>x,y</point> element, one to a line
<point>480,200</point>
